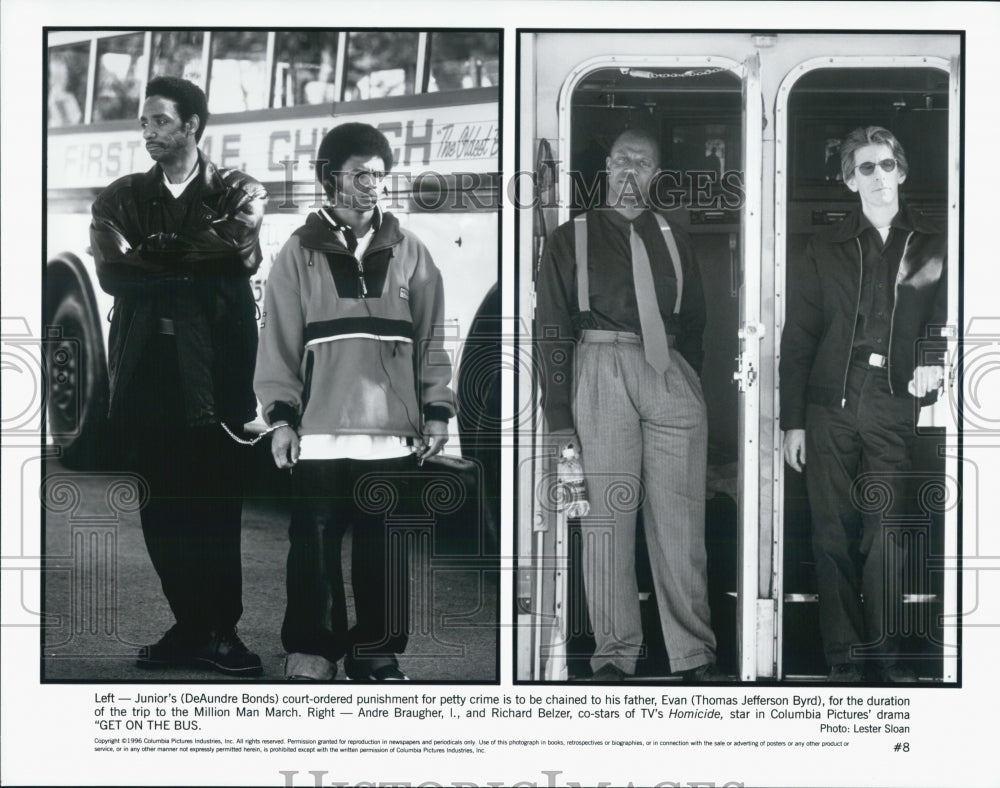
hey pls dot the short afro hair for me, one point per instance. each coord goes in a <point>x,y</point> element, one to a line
<point>347,140</point>
<point>189,98</point>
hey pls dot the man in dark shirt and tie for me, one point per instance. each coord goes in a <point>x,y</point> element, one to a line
<point>867,291</point>
<point>621,313</point>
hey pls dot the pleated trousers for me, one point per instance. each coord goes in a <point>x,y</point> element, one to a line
<point>643,445</point>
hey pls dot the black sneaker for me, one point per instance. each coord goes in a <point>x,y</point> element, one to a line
<point>608,672</point>
<point>709,672</point>
<point>377,669</point>
<point>225,652</point>
<point>845,673</point>
<point>175,648</point>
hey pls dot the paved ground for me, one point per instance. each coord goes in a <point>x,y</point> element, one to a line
<point>103,600</point>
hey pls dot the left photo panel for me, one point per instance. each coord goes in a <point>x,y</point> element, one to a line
<point>271,292</point>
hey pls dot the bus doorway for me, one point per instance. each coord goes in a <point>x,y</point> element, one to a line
<point>697,113</point>
<point>818,105</point>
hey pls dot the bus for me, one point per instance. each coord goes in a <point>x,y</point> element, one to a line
<point>750,126</point>
<point>272,95</point>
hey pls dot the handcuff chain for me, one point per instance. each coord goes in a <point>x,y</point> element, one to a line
<point>251,441</point>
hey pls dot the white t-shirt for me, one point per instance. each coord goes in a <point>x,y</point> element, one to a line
<point>176,189</point>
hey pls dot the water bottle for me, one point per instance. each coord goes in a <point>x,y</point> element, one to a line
<point>573,487</point>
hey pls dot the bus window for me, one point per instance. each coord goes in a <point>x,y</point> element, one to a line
<point>177,53</point>
<point>120,72</point>
<point>235,67</point>
<point>381,64</point>
<point>67,84</point>
<point>239,72</point>
<point>464,60</point>
<point>305,68</point>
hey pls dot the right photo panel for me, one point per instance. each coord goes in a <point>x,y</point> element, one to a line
<point>738,268</point>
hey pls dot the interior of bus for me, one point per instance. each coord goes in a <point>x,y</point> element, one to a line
<point>697,114</point>
<point>247,70</point>
<point>697,117</point>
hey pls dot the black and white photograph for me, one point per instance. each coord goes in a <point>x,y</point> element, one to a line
<point>460,393</point>
<point>741,245</point>
<point>267,255</point>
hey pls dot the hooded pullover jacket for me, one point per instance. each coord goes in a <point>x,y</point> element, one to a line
<point>351,347</point>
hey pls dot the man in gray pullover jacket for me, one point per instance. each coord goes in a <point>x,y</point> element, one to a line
<point>354,382</point>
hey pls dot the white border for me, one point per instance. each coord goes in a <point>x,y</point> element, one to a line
<point>46,730</point>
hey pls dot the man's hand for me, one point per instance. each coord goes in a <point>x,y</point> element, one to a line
<point>795,449</point>
<point>285,446</point>
<point>925,380</point>
<point>435,437</point>
<point>565,438</point>
<point>159,245</point>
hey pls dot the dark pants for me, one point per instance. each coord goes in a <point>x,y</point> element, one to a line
<point>329,497</point>
<point>859,562</point>
<point>191,522</point>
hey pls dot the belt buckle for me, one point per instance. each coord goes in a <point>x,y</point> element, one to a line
<point>876,360</point>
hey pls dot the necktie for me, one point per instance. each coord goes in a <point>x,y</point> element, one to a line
<point>654,335</point>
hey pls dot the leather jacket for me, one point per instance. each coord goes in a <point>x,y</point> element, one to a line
<point>824,297</point>
<point>196,273</point>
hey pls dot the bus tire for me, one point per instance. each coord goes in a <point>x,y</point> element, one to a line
<point>479,410</point>
<point>77,384</point>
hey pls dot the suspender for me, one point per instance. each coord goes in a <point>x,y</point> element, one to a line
<point>583,275</point>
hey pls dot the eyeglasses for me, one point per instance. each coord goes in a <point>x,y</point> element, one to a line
<point>868,167</point>
<point>621,162</point>
<point>366,179</point>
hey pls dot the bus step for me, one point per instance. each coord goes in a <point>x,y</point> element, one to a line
<point>908,599</point>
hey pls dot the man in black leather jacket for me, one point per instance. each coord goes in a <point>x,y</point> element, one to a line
<point>855,355</point>
<point>176,246</point>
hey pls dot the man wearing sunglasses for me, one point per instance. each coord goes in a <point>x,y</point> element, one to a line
<point>856,363</point>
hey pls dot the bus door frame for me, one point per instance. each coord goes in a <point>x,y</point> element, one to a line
<point>528,574</point>
<point>952,67</point>
<point>755,612</point>
<point>751,331</point>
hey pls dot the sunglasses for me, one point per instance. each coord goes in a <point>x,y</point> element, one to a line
<point>868,167</point>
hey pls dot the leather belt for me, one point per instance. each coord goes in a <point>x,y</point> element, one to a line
<point>599,336</point>
<point>870,359</point>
